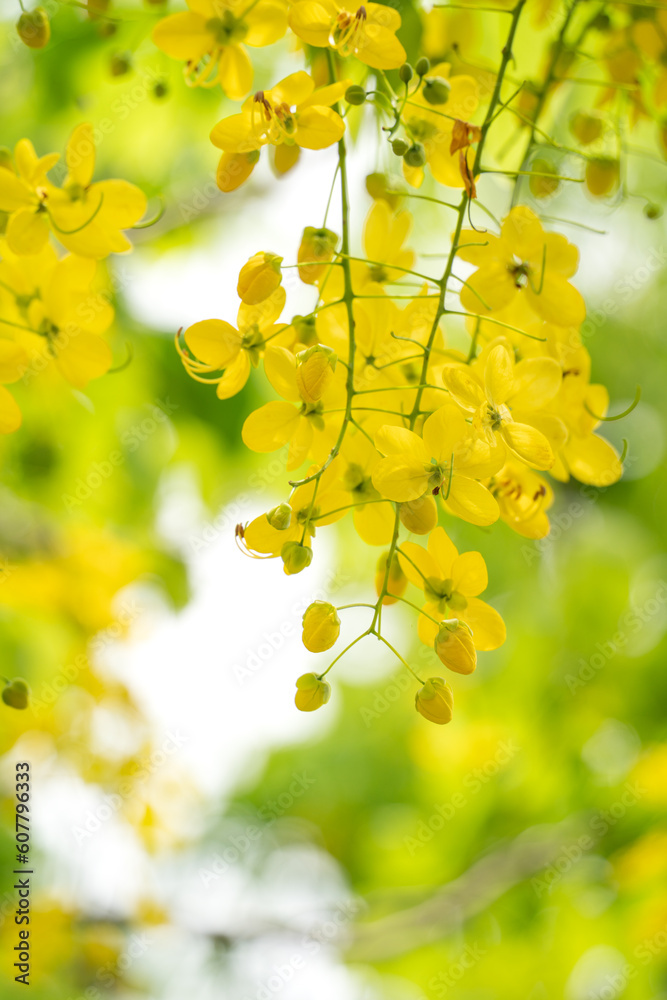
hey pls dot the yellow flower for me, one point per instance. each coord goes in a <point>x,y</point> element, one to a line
<point>316,245</point>
<point>87,218</point>
<point>259,278</point>
<point>209,39</point>
<point>526,262</point>
<point>66,321</point>
<point>308,429</point>
<point>433,128</point>
<point>369,32</point>
<point>451,585</point>
<point>292,114</point>
<point>524,498</point>
<point>321,626</point>
<point>311,506</point>
<point>503,404</point>
<point>218,346</point>
<point>439,463</point>
<point>311,693</point>
<point>584,454</point>
<point>435,701</point>
<point>373,517</point>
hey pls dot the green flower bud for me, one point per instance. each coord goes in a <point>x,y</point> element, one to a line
<point>542,187</point>
<point>33,28</point>
<point>415,156</point>
<point>400,147</point>
<point>603,176</point>
<point>455,647</point>
<point>355,95</point>
<point>295,557</point>
<point>652,211</point>
<point>586,127</point>
<point>435,701</point>
<point>315,369</point>
<point>16,694</point>
<point>120,64</point>
<point>279,517</point>
<point>377,187</point>
<point>160,90</point>
<point>436,90</point>
<point>305,327</point>
<point>321,626</point>
<point>311,693</point>
<point>423,66</point>
<point>406,73</point>
<point>419,516</point>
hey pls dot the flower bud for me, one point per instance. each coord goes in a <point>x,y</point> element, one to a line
<point>33,28</point>
<point>435,701</point>
<point>259,278</point>
<point>315,369</point>
<point>422,66</point>
<point>397,581</point>
<point>355,95</point>
<point>311,693</point>
<point>586,127</point>
<point>305,328</point>
<point>399,147</point>
<point>603,175</point>
<point>436,90</point>
<point>16,693</point>
<point>415,156</point>
<point>295,557</point>
<point>160,90</point>
<point>543,187</point>
<point>419,516</point>
<point>120,64</point>
<point>652,211</point>
<point>316,245</point>
<point>321,626</point>
<point>406,73</point>
<point>377,187</point>
<point>279,517</point>
<point>454,646</point>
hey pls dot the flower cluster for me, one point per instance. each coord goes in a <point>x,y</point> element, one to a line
<point>54,303</point>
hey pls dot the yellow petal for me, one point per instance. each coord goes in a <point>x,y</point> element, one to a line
<point>463,386</point>
<point>300,444</point>
<point>375,523</point>
<point>80,155</point>
<point>10,415</point>
<point>235,72</point>
<point>391,440</point>
<point>444,552</point>
<point>317,128</point>
<point>379,48</point>
<point>233,170</point>
<point>471,501</point>
<point>267,22</point>
<point>498,375</point>
<point>83,357</point>
<point>294,89</point>
<point>284,158</point>
<point>14,194</point>
<point>271,426</point>
<point>399,478</point>
<point>488,628</point>
<point>214,342</point>
<point>427,630</point>
<point>235,376</point>
<point>558,302</point>
<point>536,381</point>
<point>529,444</point>
<point>311,22</point>
<point>234,135</point>
<point>469,574</point>
<point>27,231</point>
<point>280,369</point>
<point>418,564</point>
<point>442,432</point>
<point>593,461</point>
<point>183,36</point>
